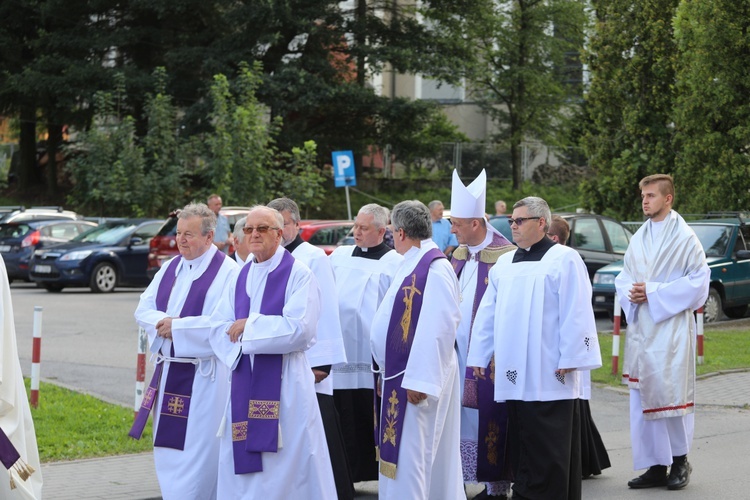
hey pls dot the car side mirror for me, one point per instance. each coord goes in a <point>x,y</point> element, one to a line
<point>743,254</point>
<point>136,240</point>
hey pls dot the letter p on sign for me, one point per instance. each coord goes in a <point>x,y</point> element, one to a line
<point>343,169</point>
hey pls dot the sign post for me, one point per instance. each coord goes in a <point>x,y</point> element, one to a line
<point>344,175</point>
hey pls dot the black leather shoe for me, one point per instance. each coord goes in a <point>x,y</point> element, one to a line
<point>679,475</point>
<point>655,476</point>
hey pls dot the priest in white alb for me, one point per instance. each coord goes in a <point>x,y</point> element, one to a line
<point>272,439</point>
<point>413,340</point>
<point>328,350</point>
<point>189,385</point>
<point>536,318</point>
<point>18,449</point>
<point>484,422</point>
<point>363,274</point>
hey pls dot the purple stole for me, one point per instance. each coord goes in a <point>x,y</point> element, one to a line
<point>178,388</point>
<point>407,306</point>
<point>480,394</point>
<point>10,457</point>
<point>256,386</point>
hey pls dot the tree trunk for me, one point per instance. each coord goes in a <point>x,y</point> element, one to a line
<point>361,40</point>
<point>28,174</point>
<point>54,141</point>
<point>515,161</point>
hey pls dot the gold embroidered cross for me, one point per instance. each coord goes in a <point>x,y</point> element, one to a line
<point>408,299</point>
<point>175,405</point>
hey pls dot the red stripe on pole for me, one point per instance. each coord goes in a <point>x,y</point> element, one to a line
<point>36,356</point>
<point>616,338</point>
<point>36,353</point>
<point>140,371</point>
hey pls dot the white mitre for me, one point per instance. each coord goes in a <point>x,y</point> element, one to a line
<point>468,202</point>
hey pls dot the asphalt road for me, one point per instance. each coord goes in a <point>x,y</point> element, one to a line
<point>89,343</point>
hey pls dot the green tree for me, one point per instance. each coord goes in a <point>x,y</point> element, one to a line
<point>297,176</point>
<point>241,143</point>
<point>52,62</point>
<point>522,55</point>
<point>631,57</point>
<point>166,153</point>
<point>712,113</point>
<point>107,168</point>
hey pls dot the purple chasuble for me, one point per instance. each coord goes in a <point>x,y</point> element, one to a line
<point>401,327</point>
<point>178,388</point>
<point>492,450</point>
<point>256,385</point>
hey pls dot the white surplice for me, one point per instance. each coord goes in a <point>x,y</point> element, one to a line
<point>329,345</point>
<point>190,337</point>
<point>429,463</point>
<point>15,414</point>
<point>302,467</point>
<point>660,342</point>
<point>536,317</point>
<point>361,285</point>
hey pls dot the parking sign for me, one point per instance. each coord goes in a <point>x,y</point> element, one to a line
<point>343,169</point>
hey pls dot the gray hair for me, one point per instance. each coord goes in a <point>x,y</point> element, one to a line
<point>433,204</point>
<point>276,214</point>
<point>238,228</point>
<point>379,214</point>
<point>414,218</point>
<point>208,217</point>
<point>287,204</point>
<point>537,207</point>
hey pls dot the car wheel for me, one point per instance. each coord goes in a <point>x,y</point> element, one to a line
<point>104,278</point>
<point>53,288</point>
<point>736,312</point>
<point>712,309</point>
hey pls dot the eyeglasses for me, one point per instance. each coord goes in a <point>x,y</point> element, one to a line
<point>519,220</point>
<point>260,229</point>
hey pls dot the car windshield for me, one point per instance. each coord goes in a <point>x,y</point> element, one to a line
<point>714,238</point>
<point>13,230</point>
<point>109,234</point>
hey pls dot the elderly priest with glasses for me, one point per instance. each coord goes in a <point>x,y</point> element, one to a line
<point>272,440</point>
<point>536,319</point>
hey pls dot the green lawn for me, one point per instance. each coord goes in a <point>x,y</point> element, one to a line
<point>722,350</point>
<point>70,425</point>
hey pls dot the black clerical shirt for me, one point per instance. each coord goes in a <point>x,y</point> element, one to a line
<point>374,253</point>
<point>535,253</point>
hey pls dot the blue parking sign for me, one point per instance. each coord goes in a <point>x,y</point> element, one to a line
<point>343,169</point>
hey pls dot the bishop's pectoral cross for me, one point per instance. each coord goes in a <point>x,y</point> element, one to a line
<point>408,298</point>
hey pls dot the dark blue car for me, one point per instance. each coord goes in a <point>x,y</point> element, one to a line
<point>19,240</point>
<point>110,255</point>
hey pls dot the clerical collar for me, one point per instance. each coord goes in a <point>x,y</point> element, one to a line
<point>373,253</point>
<point>535,252</point>
<point>294,244</point>
<point>195,263</point>
<point>478,248</point>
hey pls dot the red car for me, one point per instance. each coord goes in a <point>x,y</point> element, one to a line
<point>163,246</point>
<point>325,233</point>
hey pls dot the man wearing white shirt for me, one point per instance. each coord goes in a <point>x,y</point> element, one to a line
<point>363,274</point>
<point>664,279</point>
<point>413,348</point>
<point>536,318</point>
<point>328,349</point>
<point>189,385</point>
<point>273,442</point>
<point>241,250</point>
<point>484,422</point>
